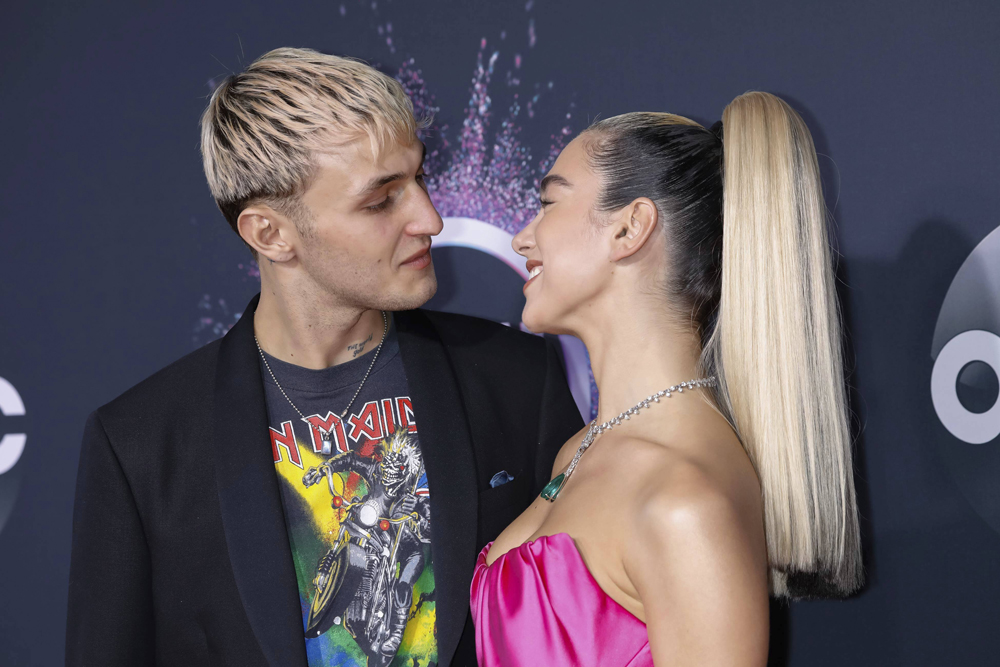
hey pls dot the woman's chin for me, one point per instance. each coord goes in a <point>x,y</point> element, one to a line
<point>531,321</point>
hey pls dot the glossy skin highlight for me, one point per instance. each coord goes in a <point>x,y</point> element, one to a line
<point>665,509</point>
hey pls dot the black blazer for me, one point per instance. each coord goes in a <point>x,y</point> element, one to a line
<point>180,554</point>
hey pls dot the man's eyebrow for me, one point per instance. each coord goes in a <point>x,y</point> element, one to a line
<point>380,181</point>
<point>553,179</point>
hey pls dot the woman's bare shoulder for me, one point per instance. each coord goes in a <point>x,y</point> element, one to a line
<point>691,487</point>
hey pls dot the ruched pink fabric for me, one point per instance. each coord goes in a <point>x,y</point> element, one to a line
<point>538,605</point>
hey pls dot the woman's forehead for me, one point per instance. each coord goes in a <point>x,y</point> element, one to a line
<point>572,163</point>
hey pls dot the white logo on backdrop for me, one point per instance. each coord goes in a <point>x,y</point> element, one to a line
<point>469,233</point>
<point>12,444</point>
<point>966,348</point>
<point>965,380</point>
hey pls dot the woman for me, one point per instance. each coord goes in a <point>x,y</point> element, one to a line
<point>677,254</point>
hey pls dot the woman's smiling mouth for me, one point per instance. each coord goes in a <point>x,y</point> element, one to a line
<point>534,268</point>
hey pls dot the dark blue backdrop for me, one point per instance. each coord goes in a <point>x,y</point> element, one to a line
<point>111,241</point>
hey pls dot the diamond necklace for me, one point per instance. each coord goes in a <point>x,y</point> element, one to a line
<point>327,435</point>
<point>552,489</point>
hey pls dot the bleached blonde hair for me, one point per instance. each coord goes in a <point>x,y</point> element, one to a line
<point>752,271</point>
<point>263,127</point>
<point>778,343</point>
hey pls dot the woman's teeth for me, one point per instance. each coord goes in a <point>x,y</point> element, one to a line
<point>534,272</point>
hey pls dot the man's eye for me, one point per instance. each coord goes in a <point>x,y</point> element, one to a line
<point>381,206</point>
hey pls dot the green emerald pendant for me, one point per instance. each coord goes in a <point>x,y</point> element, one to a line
<point>553,488</point>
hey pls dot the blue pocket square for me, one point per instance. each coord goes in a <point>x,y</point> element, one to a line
<point>501,477</point>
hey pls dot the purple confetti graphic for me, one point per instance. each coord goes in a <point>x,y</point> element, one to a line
<point>492,181</point>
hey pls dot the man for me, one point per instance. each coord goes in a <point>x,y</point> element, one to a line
<point>313,488</point>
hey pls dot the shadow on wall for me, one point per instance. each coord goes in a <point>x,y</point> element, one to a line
<point>902,450</point>
<point>889,313</point>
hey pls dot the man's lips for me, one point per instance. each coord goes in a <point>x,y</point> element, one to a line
<point>418,260</point>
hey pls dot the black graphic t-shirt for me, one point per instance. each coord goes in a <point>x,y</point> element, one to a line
<point>358,515</point>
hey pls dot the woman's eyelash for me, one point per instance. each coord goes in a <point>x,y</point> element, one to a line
<point>544,202</point>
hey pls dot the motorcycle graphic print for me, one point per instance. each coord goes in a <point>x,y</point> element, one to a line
<point>359,524</point>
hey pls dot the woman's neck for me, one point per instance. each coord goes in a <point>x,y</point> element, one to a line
<point>635,356</point>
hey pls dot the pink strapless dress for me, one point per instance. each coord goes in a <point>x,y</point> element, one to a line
<point>538,604</point>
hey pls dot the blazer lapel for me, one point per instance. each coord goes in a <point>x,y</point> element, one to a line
<point>446,444</point>
<point>250,500</point>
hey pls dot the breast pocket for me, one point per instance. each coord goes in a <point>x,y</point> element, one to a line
<point>499,506</point>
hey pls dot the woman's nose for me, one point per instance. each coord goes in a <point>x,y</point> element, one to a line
<point>524,240</point>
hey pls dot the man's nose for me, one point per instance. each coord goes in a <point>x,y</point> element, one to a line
<point>426,220</point>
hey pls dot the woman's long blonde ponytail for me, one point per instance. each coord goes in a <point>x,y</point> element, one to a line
<point>749,265</point>
<point>777,347</point>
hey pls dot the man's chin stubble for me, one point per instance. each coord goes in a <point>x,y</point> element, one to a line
<point>397,302</point>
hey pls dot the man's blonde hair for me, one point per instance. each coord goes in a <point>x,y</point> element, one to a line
<point>263,127</point>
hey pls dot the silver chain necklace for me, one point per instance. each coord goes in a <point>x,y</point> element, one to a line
<point>552,489</point>
<point>325,435</point>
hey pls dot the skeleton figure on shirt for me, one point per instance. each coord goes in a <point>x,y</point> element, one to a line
<point>385,531</point>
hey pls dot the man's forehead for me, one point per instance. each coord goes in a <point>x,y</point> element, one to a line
<point>355,165</point>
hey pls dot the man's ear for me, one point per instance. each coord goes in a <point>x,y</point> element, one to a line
<point>268,232</point>
<point>633,227</point>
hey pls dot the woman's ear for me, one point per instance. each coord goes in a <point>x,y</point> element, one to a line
<point>633,227</point>
<point>268,232</point>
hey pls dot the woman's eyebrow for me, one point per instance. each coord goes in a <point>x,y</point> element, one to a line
<point>553,179</point>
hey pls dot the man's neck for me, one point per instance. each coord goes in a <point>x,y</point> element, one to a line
<point>311,333</point>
